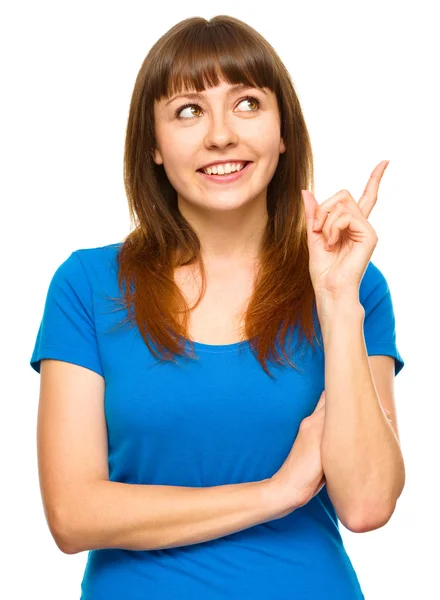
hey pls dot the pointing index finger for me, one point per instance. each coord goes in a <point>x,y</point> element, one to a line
<point>369,197</point>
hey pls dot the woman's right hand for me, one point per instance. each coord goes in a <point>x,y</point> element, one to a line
<point>301,476</point>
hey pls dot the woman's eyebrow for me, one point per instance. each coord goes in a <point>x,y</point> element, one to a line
<point>234,88</point>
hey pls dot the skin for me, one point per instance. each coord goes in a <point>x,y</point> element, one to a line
<point>342,241</point>
<point>228,218</point>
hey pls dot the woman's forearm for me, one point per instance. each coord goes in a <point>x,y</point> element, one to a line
<point>361,455</point>
<point>110,514</point>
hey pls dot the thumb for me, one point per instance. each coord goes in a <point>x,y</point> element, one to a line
<point>310,207</point>
<point>321,401</point>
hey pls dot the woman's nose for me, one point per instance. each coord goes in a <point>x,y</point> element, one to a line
<point>220,131</point>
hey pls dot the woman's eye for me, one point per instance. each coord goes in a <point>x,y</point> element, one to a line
<point>249,99</point>
<point>252,100</point>
<point>182,108</point>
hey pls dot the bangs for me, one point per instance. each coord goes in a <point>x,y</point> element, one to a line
<point>206,54</point>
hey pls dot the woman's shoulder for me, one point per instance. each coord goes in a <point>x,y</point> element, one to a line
<point>98,253</point>
<point>373,280</point>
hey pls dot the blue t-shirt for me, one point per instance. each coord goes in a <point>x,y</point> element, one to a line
<point>212,421</point>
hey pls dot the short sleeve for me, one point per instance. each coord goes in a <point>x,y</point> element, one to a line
<point>379,319</point>
<point>67,329</point>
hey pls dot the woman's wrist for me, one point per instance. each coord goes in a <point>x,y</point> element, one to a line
<point>275,498</point>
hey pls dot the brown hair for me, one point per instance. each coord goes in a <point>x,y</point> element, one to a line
<point>195,54</point>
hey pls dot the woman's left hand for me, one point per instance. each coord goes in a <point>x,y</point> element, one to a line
<point>342,222</point>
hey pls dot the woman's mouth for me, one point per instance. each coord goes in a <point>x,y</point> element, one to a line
<point>229,177</point>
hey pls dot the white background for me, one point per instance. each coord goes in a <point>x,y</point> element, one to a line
<point>367,78</point>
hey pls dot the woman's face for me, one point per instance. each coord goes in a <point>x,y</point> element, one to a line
<point>220,124</point>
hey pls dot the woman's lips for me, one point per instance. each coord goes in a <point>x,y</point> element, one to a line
<point>229,177</point>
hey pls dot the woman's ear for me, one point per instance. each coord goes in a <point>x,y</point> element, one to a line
<point>282,146</point>
<point>157,157</point>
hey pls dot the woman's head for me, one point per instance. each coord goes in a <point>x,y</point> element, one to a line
<point>163,155</point>
<point>210,57</point>
<point>235,124</point>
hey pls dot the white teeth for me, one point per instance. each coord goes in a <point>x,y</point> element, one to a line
<point>224,169</point>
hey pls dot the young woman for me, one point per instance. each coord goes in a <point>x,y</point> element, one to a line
<point>171,450</point>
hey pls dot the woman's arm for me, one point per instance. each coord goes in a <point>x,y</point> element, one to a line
<point>361,455</point>
<point>85,510</point>
<point>108,514</point>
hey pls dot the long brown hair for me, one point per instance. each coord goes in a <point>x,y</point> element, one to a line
<point>195,54</point>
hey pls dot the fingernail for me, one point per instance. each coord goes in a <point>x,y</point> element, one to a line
<point>315,223</point>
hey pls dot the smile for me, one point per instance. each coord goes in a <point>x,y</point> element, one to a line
<point>228,178</point>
